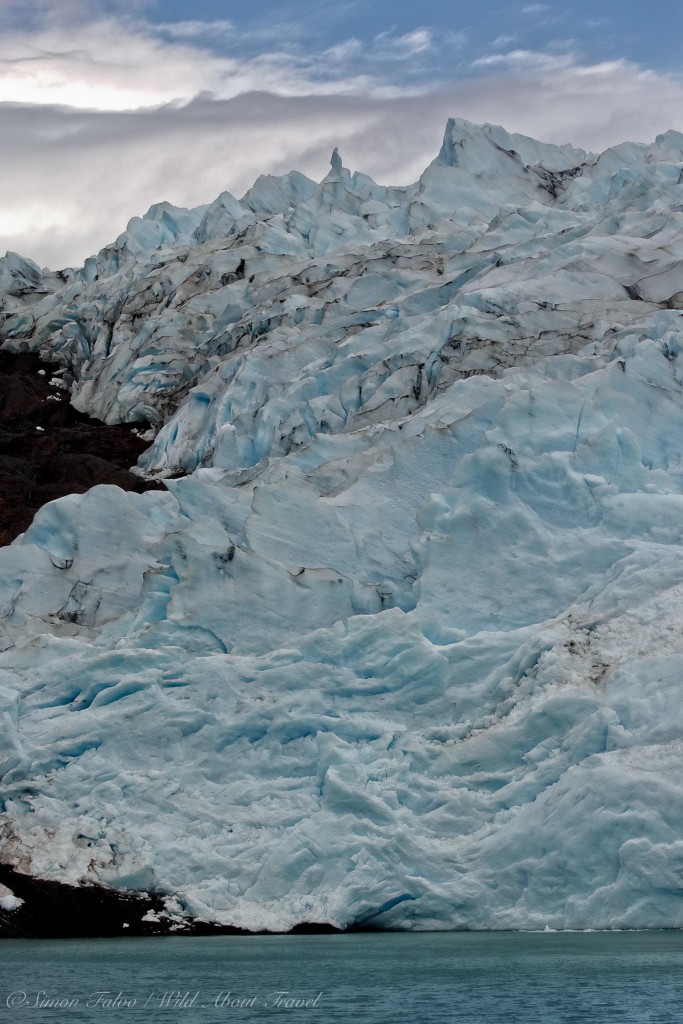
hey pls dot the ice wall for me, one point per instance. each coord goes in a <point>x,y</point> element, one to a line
<point>402,643</point>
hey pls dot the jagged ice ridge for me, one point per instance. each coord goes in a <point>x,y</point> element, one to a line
<point>401,644</point>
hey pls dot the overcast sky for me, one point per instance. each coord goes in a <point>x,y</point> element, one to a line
<point>107,106</point>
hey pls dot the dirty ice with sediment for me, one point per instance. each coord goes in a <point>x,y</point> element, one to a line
<point>401,643</point>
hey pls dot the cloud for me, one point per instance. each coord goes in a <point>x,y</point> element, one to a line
<point>104,118</point>
<point>345,51</point>
<point>222,35</point>
<point>196,29</point>
<point>40,13</point>
<point>117,63</point>
<point>407,45</point>
<point>501,41</point>
<point>108,65</point>
<point>526,60</point>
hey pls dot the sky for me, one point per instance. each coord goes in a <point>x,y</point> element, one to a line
<point>108,106</point>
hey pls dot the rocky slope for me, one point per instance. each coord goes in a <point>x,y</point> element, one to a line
<point>48,449</point>
<point>400,645</point>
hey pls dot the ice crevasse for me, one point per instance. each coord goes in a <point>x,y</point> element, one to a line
<point>401,642</point>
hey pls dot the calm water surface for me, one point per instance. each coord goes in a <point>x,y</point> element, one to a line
<point>476,978</point>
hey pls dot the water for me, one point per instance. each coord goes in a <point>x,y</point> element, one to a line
<point>478,978</point>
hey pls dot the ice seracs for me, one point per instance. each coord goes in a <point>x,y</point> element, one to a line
<point>400,645</point>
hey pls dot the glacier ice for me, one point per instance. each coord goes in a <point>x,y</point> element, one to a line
<point>400,645</point>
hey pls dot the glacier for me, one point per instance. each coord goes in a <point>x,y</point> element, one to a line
<point>400,644</point>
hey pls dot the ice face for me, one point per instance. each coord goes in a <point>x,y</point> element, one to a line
<point>401,645</point>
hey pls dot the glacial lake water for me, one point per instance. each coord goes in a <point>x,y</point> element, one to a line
<point>478,978</point>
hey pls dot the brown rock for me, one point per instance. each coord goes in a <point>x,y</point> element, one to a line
<point>48,449</point>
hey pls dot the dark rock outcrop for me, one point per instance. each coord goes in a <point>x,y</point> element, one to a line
<point>48,449</point>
